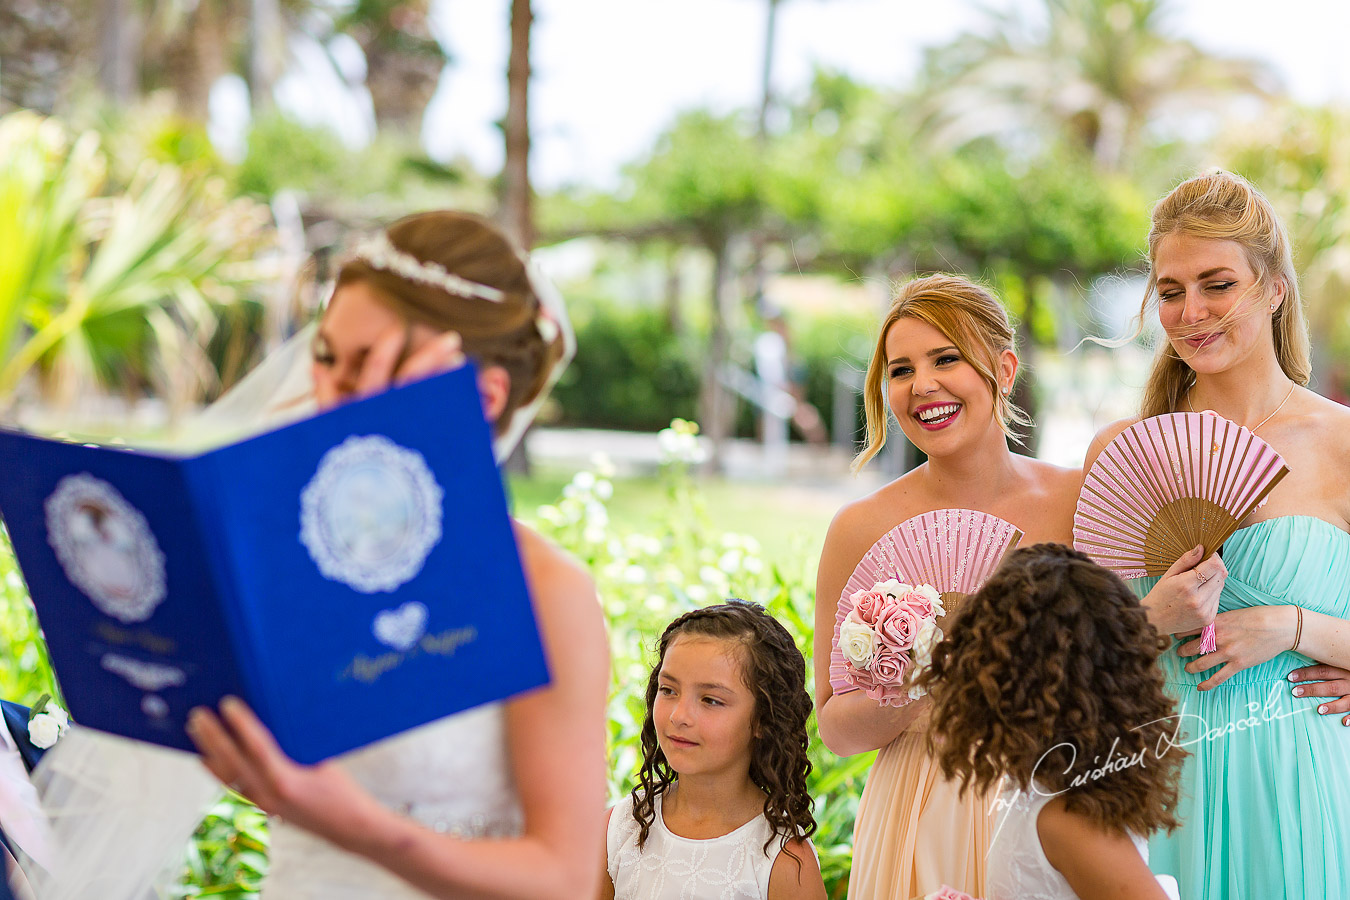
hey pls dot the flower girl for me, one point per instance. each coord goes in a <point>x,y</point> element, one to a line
<point>721,807</point>
<point>1053,687</point>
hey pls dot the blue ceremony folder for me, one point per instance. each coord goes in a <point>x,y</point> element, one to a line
<point>351,576</point>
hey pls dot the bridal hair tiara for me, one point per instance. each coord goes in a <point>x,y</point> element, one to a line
<point>379,252</point>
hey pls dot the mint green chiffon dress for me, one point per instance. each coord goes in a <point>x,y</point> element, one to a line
<point>1265,793</point>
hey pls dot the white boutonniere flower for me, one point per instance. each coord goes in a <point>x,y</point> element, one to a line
<point>46,722</point>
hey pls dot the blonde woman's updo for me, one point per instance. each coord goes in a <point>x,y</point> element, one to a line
<point>502,332</point>
<point>972,319</point>
<point>1226,207</point>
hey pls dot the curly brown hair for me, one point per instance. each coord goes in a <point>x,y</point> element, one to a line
<point>1050,673</point>
<point>775,673</point>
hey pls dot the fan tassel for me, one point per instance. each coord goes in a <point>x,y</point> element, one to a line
<point>1207,642</point>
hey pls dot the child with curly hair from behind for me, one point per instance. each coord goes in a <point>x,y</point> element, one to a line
<point>720,808</point>
<point>1048,681</point>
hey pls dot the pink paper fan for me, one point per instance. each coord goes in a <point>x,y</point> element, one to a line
<point>954,550</point>
<point>1168,483</point>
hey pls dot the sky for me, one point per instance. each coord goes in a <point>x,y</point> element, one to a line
<point>609,75</point>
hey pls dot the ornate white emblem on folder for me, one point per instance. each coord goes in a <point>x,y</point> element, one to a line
<point>371,514</point>
<point>105,547</point>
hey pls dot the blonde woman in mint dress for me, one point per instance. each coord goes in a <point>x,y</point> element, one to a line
<point>1265,805</point>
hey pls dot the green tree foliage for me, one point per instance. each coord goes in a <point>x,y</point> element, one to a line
<point>701,179</point>
<point>1097,72</point>
<point>113,284</point>
<point>1299,160</point>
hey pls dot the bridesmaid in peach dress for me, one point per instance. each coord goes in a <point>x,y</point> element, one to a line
<point>944,364</point>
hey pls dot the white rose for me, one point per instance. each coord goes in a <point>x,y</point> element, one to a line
<point>856,642</point>
<point>924,642</point>
<point>60,715</point>
<point>43,730</point>
<point>893,589</point>
<point>930,593</point>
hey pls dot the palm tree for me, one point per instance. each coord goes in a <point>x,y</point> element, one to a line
<point>516,200</point>
<point>403,60</point>
<point>1098,71</point>
<point>117,286</point>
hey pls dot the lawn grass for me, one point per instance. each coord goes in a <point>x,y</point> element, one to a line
<point>789,521</point>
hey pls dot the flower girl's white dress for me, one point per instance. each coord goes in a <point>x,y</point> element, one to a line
<point>451,775</point>
<point>1018,869</point>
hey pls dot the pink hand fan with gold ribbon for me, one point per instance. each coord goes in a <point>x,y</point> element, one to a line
<point>952,550</point>
<point>1168,483</point>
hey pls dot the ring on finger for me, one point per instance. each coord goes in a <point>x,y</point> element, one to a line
<point>1201,576</point>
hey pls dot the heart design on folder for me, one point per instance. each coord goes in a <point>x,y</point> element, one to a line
<point>401,628</point>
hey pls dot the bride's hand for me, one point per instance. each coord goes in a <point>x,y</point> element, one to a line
<point>239,750</point>
<point>1187,596</point>
<point>399,355</point>
<point>1245,638</point>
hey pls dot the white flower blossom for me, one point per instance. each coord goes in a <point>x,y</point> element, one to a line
<point>730,562</point>
<point>44,729</point>
<point>602,464</point>
<point>856,642</point>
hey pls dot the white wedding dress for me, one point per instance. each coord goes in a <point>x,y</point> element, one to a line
<point>451,775</point>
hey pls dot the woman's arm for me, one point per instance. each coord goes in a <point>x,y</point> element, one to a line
<point>849,722</point>
<point>1325,681</point>
<point>1098,864</point>
<point>556,743</point>
<point>790,881</point>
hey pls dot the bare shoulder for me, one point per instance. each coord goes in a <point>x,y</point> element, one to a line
<point>1331,424</point>
<point>564,593</point>
<point>1055,482</point>
<point>859,523</point>
<point>796,873</point>
<point>1098,862</point>
<point>1105,436</point>
<point>551,572</point>
<point>1052,496</point>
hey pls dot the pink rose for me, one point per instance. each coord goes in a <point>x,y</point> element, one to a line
<point>897,626</point>
<point>868,604</point>
<point>919,604</point>
<point>883,682</point>
<point>949,893</point>
<point>889,667</point>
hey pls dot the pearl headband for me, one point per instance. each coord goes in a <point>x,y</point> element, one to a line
<point>378,252</point>
<point>551,321</point>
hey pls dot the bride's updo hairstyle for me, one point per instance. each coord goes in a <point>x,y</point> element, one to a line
<point>976,324</point>
<point>511,330</point>
<point>1226,207</point>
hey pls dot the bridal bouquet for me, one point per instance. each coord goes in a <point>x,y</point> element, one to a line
<point>890,631</point>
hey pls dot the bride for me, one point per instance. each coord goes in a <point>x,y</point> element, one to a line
<point>504,801</point>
